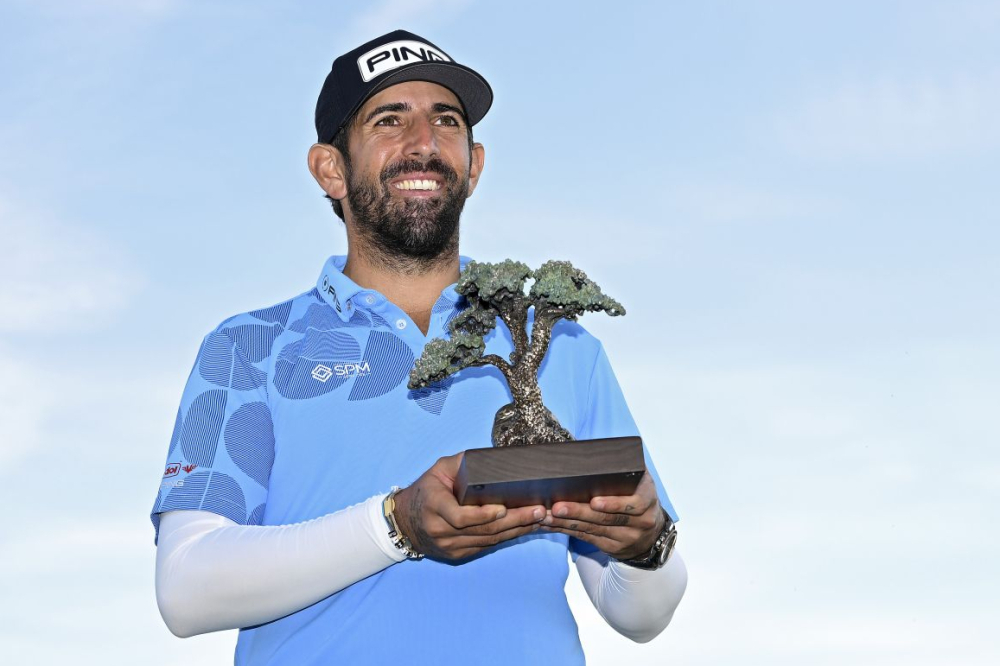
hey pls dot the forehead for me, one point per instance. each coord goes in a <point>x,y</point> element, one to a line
<point>418,94</point>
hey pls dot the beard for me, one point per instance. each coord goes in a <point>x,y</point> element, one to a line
<point>408,234</point>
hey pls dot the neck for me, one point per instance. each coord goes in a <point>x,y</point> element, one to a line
<point>412,285</point>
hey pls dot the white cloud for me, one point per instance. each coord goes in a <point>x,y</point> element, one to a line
<point>807,493</point>
<point>707,629</point>
<point>73,545</point>
<point>56,272</point>
<point>534,234</point>
<point>56,280</point>
<point>60,570</point>
<point>723,202</point>
<point>50,411</point>
<point>24,404</point>
<point>892,118</point>
<point>494,227</point>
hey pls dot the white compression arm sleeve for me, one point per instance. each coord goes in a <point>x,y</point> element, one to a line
<point>636,603</point>
<point>214,574</point>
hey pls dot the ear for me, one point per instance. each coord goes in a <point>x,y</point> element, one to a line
<point>326,164</point>
<point>476,161</point>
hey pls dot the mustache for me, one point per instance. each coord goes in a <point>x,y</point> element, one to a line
<point>433,165</point>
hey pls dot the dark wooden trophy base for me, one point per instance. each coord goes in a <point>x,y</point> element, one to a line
<point>573,471</point>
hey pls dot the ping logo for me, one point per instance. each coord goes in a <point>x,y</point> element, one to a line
<point>172,469</point>
<point>328,288</point>
<point>396,54</point>
<point>322,373</point>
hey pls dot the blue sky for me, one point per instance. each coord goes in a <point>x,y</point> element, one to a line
<point>796,202</point>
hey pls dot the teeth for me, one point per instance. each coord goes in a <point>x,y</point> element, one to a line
<point>418,185</point>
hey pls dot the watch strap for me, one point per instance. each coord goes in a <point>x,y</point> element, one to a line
<point>661,550</point>
<point>399,540</point>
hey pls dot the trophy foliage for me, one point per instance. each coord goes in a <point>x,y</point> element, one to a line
<point>569,292</point>
<point>558,291</point>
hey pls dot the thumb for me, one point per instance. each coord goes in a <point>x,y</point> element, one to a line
<point>446,469</point>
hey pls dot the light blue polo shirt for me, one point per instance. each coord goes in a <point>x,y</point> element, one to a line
<point>300,409</point>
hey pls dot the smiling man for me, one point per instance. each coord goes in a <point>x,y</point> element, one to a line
<point>279,512</point>
<point>403,205</point>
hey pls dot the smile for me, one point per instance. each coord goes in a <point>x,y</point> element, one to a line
<point>428,185</point>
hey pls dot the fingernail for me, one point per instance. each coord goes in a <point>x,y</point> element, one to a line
<point>501,513</point>
<point>561,511</point>
<point>598,504</point>
<point>547,521</point>
<point>537,514</point>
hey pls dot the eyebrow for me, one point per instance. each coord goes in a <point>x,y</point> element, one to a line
<point>399,107</point>
<point>394,107</point>
<point>441,107</point>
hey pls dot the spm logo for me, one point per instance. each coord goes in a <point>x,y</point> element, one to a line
<point>322,373</point>
<point>352,369</point>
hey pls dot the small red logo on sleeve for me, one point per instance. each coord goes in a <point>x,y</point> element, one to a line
<point>172,469</point>
<point>188,468</point>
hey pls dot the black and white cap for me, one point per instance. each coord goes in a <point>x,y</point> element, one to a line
<point>390,59</point>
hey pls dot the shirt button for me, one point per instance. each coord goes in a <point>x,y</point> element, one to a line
<point>369,299</point>
<point>400,324</point>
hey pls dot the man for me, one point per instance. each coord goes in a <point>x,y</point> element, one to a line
<point>274,514</point>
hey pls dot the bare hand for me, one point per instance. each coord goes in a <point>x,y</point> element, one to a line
<point>438,526</point>
<point>623,527</point>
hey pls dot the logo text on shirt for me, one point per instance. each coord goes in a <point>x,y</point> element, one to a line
<point>322,373</point>
<point>328,288</point>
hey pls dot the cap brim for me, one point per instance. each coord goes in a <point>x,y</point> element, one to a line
<point>471,89</point>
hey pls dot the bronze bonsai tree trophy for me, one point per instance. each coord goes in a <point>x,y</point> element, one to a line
<point>529,464</point>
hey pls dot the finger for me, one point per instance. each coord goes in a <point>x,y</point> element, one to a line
<point>466,546</point>
<point>441,501</point>
<point>583,512</point>
<point>523,516</point>
<point>445,470</point>
<point>635,504</point>
<point>609,546</point>
<point>622,535</point>
<point>439,527</point>
<point>463,517</point>
<point>467,517</point>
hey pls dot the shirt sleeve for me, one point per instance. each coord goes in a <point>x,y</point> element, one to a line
<point>222,448</point>
<point>608,415</point>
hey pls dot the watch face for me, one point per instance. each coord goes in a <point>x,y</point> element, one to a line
<point>660,552</point>
<point>668,547</point>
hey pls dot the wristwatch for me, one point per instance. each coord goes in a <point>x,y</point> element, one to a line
<point>399,540</point>
<point>662,548</point>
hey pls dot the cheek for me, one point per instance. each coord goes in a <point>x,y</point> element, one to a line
<point>370,170</point>
<point>372,157</point>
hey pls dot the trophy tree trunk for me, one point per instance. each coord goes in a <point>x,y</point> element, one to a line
<point>526,420</point>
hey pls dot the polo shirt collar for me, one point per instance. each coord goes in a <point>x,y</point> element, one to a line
<point>337,289</point>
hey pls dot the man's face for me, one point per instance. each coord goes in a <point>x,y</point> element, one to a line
<point>410,170</point>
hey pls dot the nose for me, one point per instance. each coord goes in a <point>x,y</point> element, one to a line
<point>420,141</point>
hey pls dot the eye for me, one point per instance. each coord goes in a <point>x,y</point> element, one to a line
<point>449,121</point>
<point>387,121</point>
